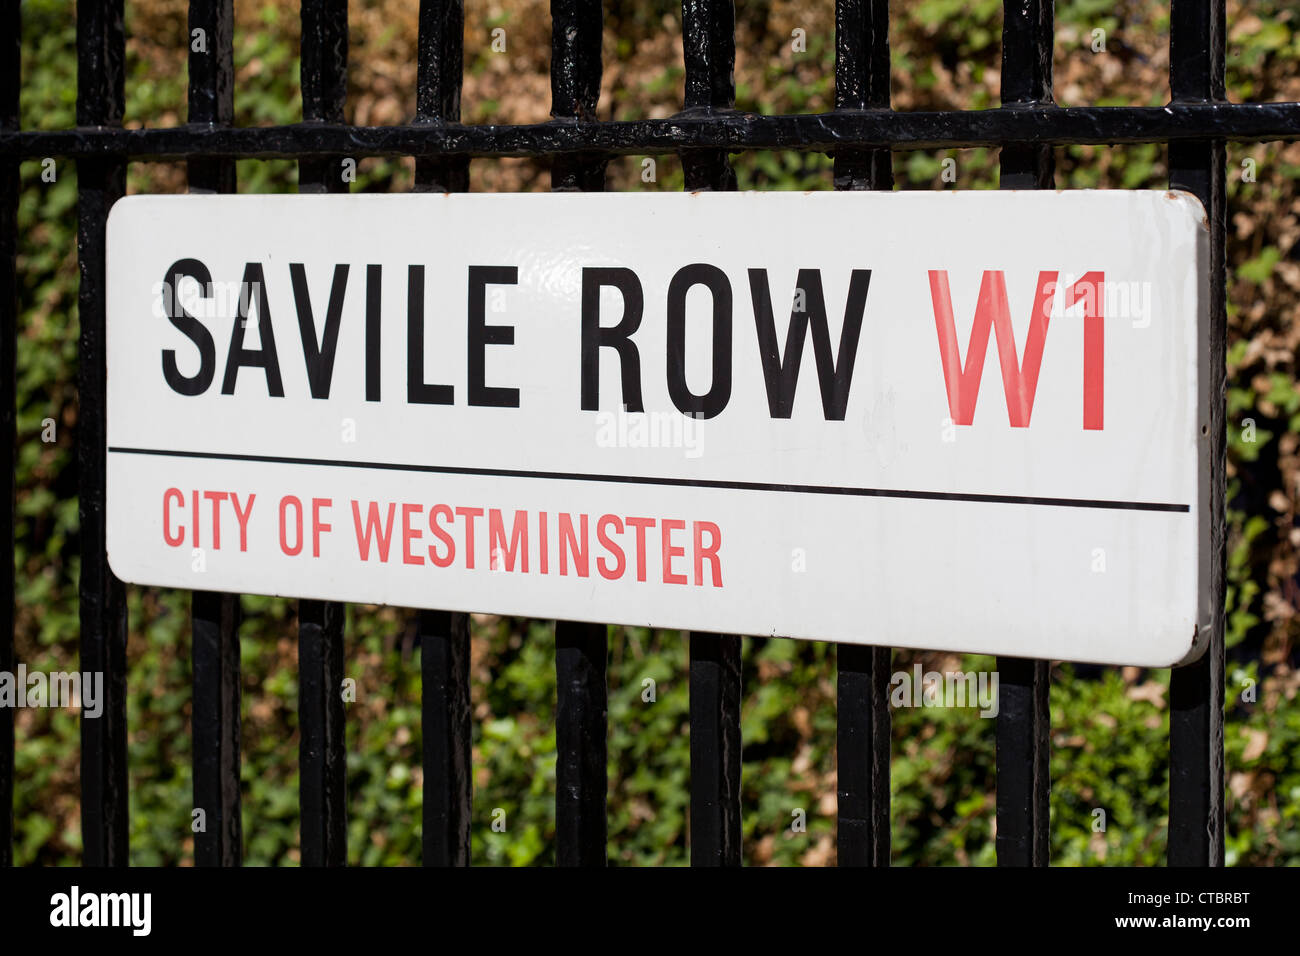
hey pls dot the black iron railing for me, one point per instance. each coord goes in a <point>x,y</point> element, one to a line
<point>860,133</point>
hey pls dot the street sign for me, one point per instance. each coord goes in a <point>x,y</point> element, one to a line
<point>975,421</point>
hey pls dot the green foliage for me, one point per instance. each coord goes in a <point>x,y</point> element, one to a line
<point>966,28</point>
<point>1110,752</point>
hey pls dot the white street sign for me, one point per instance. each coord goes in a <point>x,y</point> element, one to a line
<point>975,421</point>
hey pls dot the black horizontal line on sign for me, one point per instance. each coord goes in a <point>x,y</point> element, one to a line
<point>674,482</point>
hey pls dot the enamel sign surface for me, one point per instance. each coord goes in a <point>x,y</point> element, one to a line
<point>974,421</point>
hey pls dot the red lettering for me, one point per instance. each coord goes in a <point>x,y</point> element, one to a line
<point>543,556</point>
<point>1091,289</point>
<point>443,512</point>
<point>287,502</point>
<point>611,547</point>
<point>179,539</point>
<point>469,514</point>
<point>194,502</point>
<point>409,534</point>
<point>1018,383</point>
<point>518,541</point>
<point>381,534</point>
<point>641,525</point>
<point>216,497</point>
<point>318,526</point>
<point>241,515</point>
<point>669,552</point>
<point>569,544</point>
<point>709,554</point>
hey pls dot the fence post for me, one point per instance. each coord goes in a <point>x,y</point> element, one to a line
<point>1196,692</point>
<point>1024,717</point>
<point>862,683</point>
<point>581,649</point>
<point>10,83</point>
<point>445,719</point>
<point>437,97</point>
<point>444,636</point>
<point>709,54</point>
<point>101,84</point>
<point>581,727</point>
<point>715,750</point>
<point>214,641</point>
<point>322,752</point>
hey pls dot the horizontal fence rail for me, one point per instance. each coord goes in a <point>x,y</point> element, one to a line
<point>861,132</point>
<point>818,132</point>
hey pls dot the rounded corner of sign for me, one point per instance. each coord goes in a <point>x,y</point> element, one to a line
<point>1195,651</point>
<point>119,204</point>
<point>116,569</point>
<point>1192,204</point>
<point>115,210</point>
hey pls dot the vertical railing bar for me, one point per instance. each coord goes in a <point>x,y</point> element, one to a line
<point>1196,698</point>
<point>215,620</point>
<point>576,28</point>
<point>581,649</point>
<point>862,682</point>
<point>1023,779</point>
<point>440,53</point>
<point>10,84</point>
<point>215,617</point>
<point>1024,716</point>
<point>101,87</point>
<point>709,55</point>
<point>862,82</point>
<point>211,88</point>
<point>581,732</point>
<point>1027,81</point>
<point>443,636</point>
<point>322,752</point>
<point>863,755</point>
<point>438,86</point>
<point>445,722</point>
<point>322,763</point>
<point>715,831</point>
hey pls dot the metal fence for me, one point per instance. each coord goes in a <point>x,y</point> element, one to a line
<point>859,133</point>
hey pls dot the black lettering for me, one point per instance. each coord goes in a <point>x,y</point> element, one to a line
<point>373,276</point>
<point>191,327</point>
<point>319,358</point>
<point>264,358</point>
<point>617,337</point>
<point>719,393</point>
<point>781,374</point>
<point>482,335</point>
<point>417,391</point>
